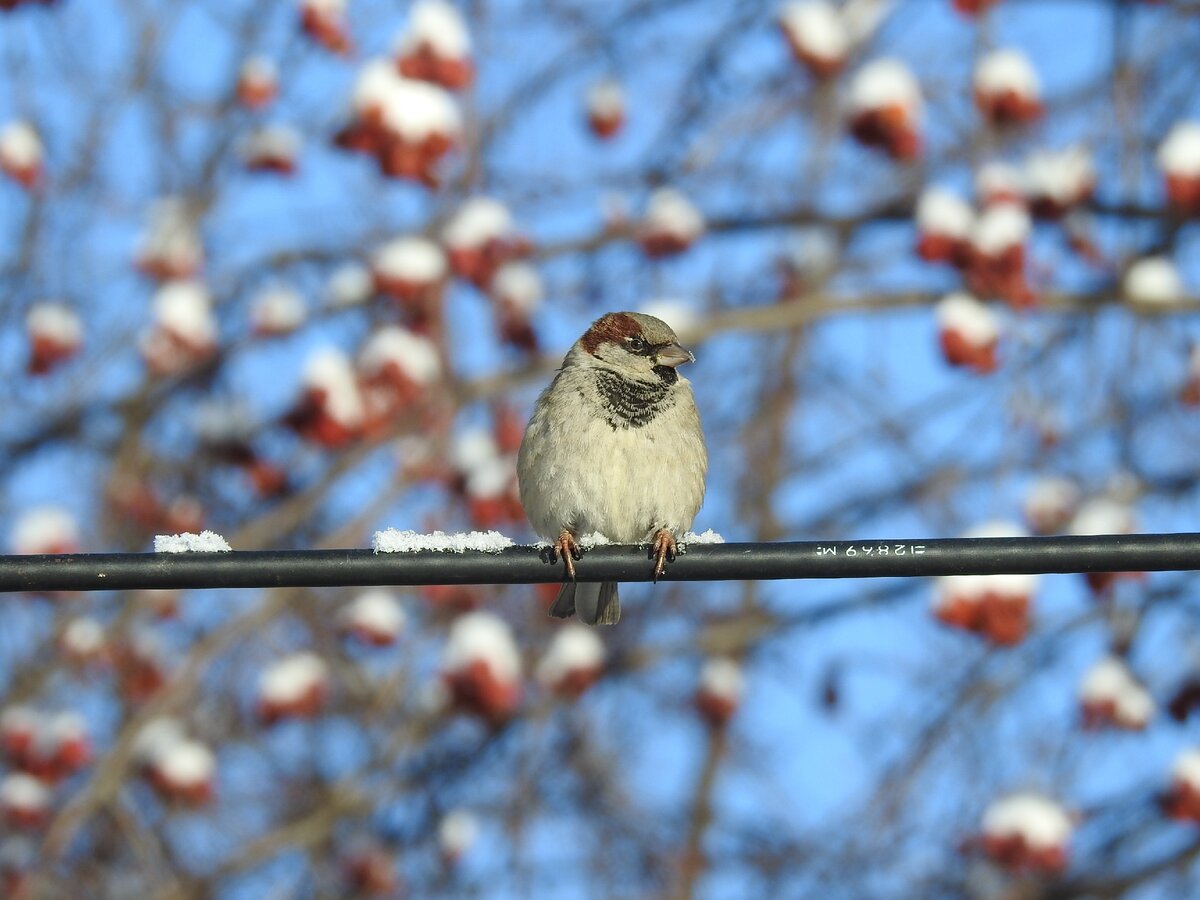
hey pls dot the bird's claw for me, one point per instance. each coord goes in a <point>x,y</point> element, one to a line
<point>568,548</point>
<point>663,550</point>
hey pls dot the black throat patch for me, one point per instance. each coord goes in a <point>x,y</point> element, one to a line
<point>631,404</point>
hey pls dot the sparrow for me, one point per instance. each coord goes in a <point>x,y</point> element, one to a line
<point>614,447</point>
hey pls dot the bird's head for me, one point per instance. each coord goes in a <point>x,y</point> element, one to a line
<point>634,345</point>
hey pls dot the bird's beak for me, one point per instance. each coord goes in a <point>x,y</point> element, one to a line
<point>673,355</point>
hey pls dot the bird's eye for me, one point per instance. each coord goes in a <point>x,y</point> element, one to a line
<point>636,344</point>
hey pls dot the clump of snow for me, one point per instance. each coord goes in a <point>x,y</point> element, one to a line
<point>184,309</point>
<point>999,181</point>
<point>816,28</point>
<point>377,611</point>
<point>575,648</point>
<point>413,354</point>
<point>722,677</point>
<point>278,310</point>
<point>595,539</point>
<point>1063,176</point>
<point>1001,227</point>
<point>330,374</point>
<point>668,211</point>
<point>20,146</point>
<point>55,321</point>
<point>1179,153</point>
<point>482,637</point>
<point>963,314</point>
<point>416,260</point>
<point>291,679</point>
<point>707,537</point>
<point>478,221</point>
<point>943,212</point>
<point>1041,822</point>
<point>204,542</point>
<point>883,83</point>
<point>438,25</point>
<point>605,99</point>
<point>45,529</point>
<point>349,285</point>
<point>457,832</point>
<point>1103,515</point>
<point>519,285</point>
<point>394,541</point>
<point>1007,70</point>
<point>1153,281</point>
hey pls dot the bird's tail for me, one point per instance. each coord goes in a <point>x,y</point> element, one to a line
<point>594,603</point>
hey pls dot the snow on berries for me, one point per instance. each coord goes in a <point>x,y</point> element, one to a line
<point>272,148</point>
<point>517,291</point>
<point>44,529</point>
<point>944,222</point>
<point>55,334</point>
<point>1050,504</point>
<point>885,109</point>
<point>325,22</point>
<point>258,83</point>
<point>1179,162</point>
<point>670,225</point>
<point>21,153</point>
<point>1182,799</point>
<point>170,248</point>
<point>1153,282</point>
<point>816,34</point>
<point>1027,832</point>
<point>295,686</point>
<point>331,410</point>
<point>968,332</point>
<point>412,271</point>
<point>480,238</point>
<point>481,667</point>
<point>1111,697</point>
<point>573,661</point>
<point>1007,89</point>
<point>435,46</point>
<point>407,126</point>
<point>183,331</point>
<point>604,104</point>
<point>719,692</point>
<point>996,607</point>
<point>374,618</point>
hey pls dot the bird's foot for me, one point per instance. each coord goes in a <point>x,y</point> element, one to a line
<point>663,550</point>
<point>568,548</point>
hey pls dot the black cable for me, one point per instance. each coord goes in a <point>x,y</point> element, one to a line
<point>529,565</point>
